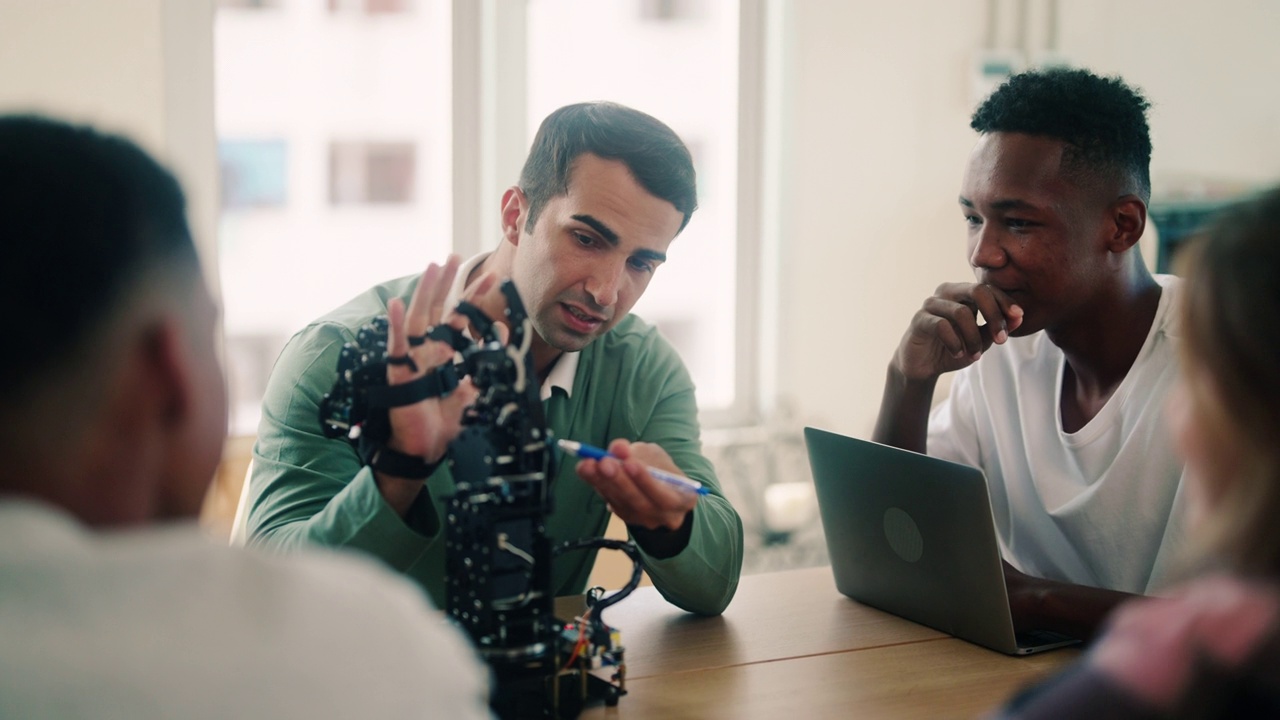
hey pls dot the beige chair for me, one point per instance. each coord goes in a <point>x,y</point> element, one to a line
<point>239,524</point>
<point>223,495</point>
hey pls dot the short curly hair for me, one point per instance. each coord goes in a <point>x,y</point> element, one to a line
<point>1102,120</point>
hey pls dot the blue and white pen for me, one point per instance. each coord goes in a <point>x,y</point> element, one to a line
<point>592,452</point>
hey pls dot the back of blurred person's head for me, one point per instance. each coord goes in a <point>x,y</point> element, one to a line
<point>111,395</point>
<point>1229,416</point>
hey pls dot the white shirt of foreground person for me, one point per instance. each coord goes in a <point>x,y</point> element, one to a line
<point>1102,506</point>
<point>162,623</point>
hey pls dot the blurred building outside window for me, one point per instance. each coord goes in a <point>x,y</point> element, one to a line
<point>360,104</point>
<point>379,172</point>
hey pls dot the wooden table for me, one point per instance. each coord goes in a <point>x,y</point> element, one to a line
<point>791,646</point>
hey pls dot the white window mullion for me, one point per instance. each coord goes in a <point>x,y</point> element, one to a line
<point>489,138</point>
<point>468,130</point>
<point>748,349</point>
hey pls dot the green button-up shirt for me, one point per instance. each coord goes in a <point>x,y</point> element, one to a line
<point>630,383</point>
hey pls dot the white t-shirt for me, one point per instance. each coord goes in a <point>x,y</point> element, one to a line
<point>1101,506</point>
<point>163,623</point>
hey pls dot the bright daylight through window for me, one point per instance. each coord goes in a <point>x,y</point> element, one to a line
<point>335,125</point>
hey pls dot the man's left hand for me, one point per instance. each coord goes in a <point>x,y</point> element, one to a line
<point>1074,610</point>
<point>1026,598</point>
<point>632,493</point>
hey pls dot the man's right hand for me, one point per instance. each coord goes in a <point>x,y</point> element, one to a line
<point>944,334</point>
<point>424,429</point>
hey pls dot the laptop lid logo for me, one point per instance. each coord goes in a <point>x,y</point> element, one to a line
<point>903,534</point>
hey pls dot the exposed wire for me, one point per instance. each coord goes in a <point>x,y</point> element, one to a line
<point>625,546</point>
<point>504,543</point>
<point>582,640</point>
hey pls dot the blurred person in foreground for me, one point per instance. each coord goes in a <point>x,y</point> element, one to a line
<point>1211,647</point>
<point>113,604</point>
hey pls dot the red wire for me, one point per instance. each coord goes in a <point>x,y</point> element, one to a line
<point>582,641</point>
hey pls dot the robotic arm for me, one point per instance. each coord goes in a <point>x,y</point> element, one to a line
<point>497,554</point>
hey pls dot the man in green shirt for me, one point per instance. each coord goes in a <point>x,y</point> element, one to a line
<point>602,195</point>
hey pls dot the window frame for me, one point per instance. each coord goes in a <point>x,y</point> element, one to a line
<point>490,142</point>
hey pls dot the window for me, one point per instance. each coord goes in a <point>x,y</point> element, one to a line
<point>334,138</point>
<point>373,173</point>
<point>358,151</point>
<point>685,74</point>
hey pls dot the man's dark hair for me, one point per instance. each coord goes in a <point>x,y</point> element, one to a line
<point>1103,121</point>
<point>657,158</point>
<point>82,216</point>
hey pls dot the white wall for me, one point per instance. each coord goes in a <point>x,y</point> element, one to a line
<point>876,139</point>
<point>143,68</point>
<point>1210,70</point>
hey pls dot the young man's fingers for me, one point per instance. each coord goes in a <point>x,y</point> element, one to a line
<point>965,321</point>
<point>1013,315</point>
<point>1007,304</point>
<point>996,303</point>
<point>960,318</point>
<point>946,334</point>
<point>990,303</point>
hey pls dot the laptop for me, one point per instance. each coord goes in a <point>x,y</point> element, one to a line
<point>913,535</point>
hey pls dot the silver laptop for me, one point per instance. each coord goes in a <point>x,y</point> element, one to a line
<point>913,535</point>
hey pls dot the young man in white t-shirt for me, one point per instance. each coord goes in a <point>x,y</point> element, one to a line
<point>112,603</point>
<point>1059,392</point>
